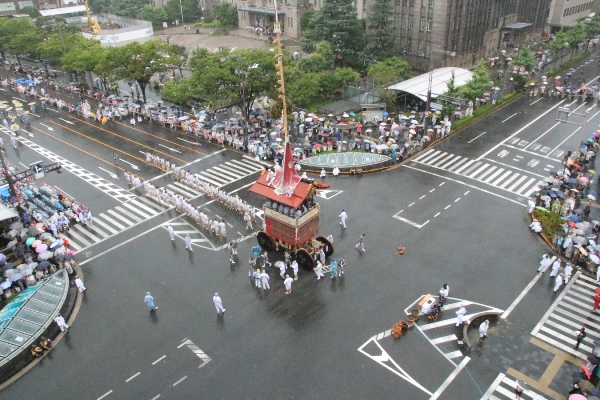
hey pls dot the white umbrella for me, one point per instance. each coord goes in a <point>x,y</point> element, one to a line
<point>16,225</point>
<point>308,119</point>
<point>595,259</point>
<point>414,121</point>
<point>45,255</point>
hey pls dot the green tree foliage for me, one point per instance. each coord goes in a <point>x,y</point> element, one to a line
<point>558,44</point>
<point>136,61</point>
<point>31,11</point>
<point>379,39</point>
<point>124,8</point>
<point>479,83</point>
<point>19,36</point>
<point>337,23</point>
<point>592,27</point>
<point>191,11</point>
<point>524,58</point>
<point>8,28</point>
<point>177,57</point>
<point>227,15</point>
<point>450,97</point>
<point>575,36</point>
<point>390,70</point>
<point>156,15</point>
<point>320,60</point>
<point>227,77</point>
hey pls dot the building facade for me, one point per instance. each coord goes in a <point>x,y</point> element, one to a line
<point>568,12</point>
<point>14,7</point>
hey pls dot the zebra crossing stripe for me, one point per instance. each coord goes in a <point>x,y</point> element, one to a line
<point>123,212</point>
<point>526,185</point>
<point>119,215</point>
<point>517,183</point>
<point>225,172</point>
<point>495,174</point>
<point>501,178</point>
<point>78,239</point>
<point>442,160</point>
<point>436,158</point>
<point>98,221</point>
<point>452,161</point>
<point>135,210</point>
<point>207,179</point>
<point>112,221</point>
<point>424,154</point>
<point>84,232</point>
<point>486,173</point>
<point>430,157</point>
<point>153,209</point>
<point>477,171</point>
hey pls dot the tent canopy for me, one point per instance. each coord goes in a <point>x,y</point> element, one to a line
<point>418,85</point>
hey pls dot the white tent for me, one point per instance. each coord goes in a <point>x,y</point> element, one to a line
<point>418,85</point>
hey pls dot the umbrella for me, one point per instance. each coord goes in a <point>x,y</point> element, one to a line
<point>357,140</point>
<point>56,244</point>
<point>414,121</point>
<point>274,145</point>
<point>584,179</point>
<point>45,235</point>
<point>22,267</point>
<point>36,243</point>
<point>2,258</point>
<point>41,248</point>
<point>6,267</point>
<point>591,171</point>
<point>12,233</point>
<point>30,241</point>
<point>43,265</point>
<point>580,240</point>
<point>578,231</point>
<point>48,254</point>
<point>5,285</point>
<point>11,244</point>
<point>394,146</point>
<point>369,130</point>
<point>69,256</point>
<point>16,225</point>
<point>403,117</point>
<point>591,197</point>
<point>574,218</point>
<point>16,277</point>
<point>33,230</point>
<point>367,141</point>
<point>279,264</point>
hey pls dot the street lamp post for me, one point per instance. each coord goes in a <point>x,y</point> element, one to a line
<point>181,9</point>
<point>430,83</point>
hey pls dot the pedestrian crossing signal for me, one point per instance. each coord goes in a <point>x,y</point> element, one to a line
<point>37,168</point>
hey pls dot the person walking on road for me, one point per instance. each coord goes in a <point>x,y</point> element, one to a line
<point>256,276</point>
<point>544,264</point>
<point>264,280</point>
<point>334,268</point>
<point>149,300</point>
<point>343,217</point>
<point>483,330</point>
<point>188,242</point>
<point>282,270</point>
<point>444,291</point>
<point>79,284</point>
<point>558,281</point>
<point>295,269</point>
<point>568,272</point>
<point>288,284</point>
<point>460,315</point>
<point>60,321</point>
<point>218,304</point>
<point>360,246</point>
<point>596,302</point>
<point>171,233</point>
<point>319,270</point>
<point>555,267</point>
<point>580,335</point>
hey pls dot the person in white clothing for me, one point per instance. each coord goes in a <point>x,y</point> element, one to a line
<point>319,270</point>
<point>171,233</point>
<point>343,217</point>
<point>79,284</point>
<point>460,315</point>
<point>555,268</point>
<point>188,242</point>
<point>336,171</point>
<point>568,272</point>
<point>531,206</point>
<point>288,284</point>
<point>264,280</point>
<point>544,264</point>
<point>60,321</point>
<point>218,304</point>
<point>295,269</point>
<point>323,173</point>
<point>558,282</point>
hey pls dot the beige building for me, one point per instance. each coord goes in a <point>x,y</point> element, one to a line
<point>567,12</point>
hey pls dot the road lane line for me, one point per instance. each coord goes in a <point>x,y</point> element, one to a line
<point>411,204</point>
<point>444,339</point>
<point>155,397</point>
<point>160,359</point>
<point>436,214</point>
<point>421,197</point>
<point>535,101</point>
<point>441,184</point>
<point>447,207</point>
<point>104,395</point>
<point>520,296</point>
<point>465,184</point>
<point>516,168</point>
<point>520,130</point>
<point>179,381</point>
<point>567,138</point>
<point>509,117</point>
<point>487,395</point>
<point>432,190</point>
<point>132,377</point>
<point>476,137</point>
<point>457,200</point>
<point>467,192</point>
<point>449,379</point>
<point>539,137</point>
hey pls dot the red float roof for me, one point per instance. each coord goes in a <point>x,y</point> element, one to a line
<point>301,192</point>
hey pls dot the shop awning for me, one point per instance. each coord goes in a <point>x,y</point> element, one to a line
<point>262,10</point>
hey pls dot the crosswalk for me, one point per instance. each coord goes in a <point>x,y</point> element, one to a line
<point>112,222</point>
<point>231,171</point>
<point>443,333</point>
<point>504,178</point>
<point>571,310</point>
<point>198,238</point>
<point>504,388</point>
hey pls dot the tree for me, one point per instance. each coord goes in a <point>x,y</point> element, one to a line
<point>379,39</point>
<point>575,36</point>
<point>156,15</point>
<point>191,12</point>
<point>557,45</point>
<point>137,61</point>
<point>227,15</point>
<point>23,41</point>
<point>525,58</point>
<point>233,77</point>
<point>479,83</point>
<point>9,27</point>
<point>450,97</point>
<point>320,60</point>
<point>31,11</point>
<point>177,57</point>
<point>390,70</point>
<point>337,23</point>
<point>592,27</point>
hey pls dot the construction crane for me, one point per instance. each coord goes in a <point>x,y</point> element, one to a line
<point>92,23</point>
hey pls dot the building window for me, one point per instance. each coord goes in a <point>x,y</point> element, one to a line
<point>429,24</point>
<point>422,24</point>
<point>7,7</point>
<point>404,21</point>
<point>25,4</point>
<point>411,3</point>
<point>410,21</point>
<point>421,50</point>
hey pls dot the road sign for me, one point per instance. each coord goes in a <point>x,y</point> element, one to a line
<point>38,170</point>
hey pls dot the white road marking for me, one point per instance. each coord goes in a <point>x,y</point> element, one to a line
<point>476,137</point>
<point>444,339</point>
<point>421,197</point>
<point>509,117</point>
<point>155,397</point>
<point>132,377</point>
<point>68,122</point>
<point>170,148</point>
<point>457,200</point>
<point>562,294</point>
<point>179,381</point>
<point>436,214</point>
<point>159,360</point>
<point>114,176</point>
<point>520,130</point>
<point>467,192</point>
<point>448,206</point>
<point>535,101</point>
<point>441,184</point>
<point>104,395</point>
<point>520,296</point>
<point>449,379</point>
<point>187,141</point>
<point>411,204</point>
<point>432,190</point>
<point>539,137</point>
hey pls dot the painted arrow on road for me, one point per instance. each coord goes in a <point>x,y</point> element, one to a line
<point>115,176</point>
<point>187,141</point>
<point>127,162</point>
<point>68,122</point>
<point>49,128</point>
<point>170,148</point>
